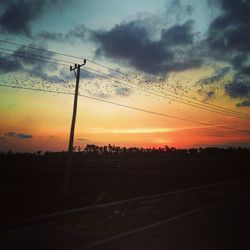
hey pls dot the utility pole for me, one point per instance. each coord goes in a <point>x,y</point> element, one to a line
<point>65,188</point>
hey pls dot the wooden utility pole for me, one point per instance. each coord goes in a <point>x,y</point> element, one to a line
<point>65,190</point>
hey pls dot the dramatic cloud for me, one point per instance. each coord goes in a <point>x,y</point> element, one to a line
<point>178,34</point>
<point>28,55</point>
<point>228,33</point>
<point>24,59</point>
<point>229,41</point>
<point>8,64</point>
<point>238,89</point>
<point>18,135</point>
<point>131,43</point>
<point>229,30</point>
<point>170,41</point>
<point>17,15</point>
<point>28,58</point>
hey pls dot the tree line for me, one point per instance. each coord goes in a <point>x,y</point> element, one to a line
<point>91,151</point>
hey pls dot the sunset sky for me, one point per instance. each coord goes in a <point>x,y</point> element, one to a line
<point>179,59</point>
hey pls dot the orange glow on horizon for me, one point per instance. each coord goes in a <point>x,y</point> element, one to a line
<point>47,118</point>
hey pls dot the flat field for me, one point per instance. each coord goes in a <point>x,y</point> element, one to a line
<point>33,188</point>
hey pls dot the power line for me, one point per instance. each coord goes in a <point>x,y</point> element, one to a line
<point>36,89</point>
<point>181,100</point>
<point>35,55</point>
<point>33,58</point>
<point>203,103</point>
<point>172,99</point>
<point>44,50</point>
<point>63,54</point>
<point>130,107</point>
<point>168,90</point>
<point>160,114</point>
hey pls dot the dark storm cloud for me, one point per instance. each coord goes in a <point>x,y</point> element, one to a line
<point>9,65</point>
<point>131,43</point>
<point>178,34</point>
<point>238,60</point>
<point>18,15</point>
<point>25,59</point>
<point>18,135</point>
<point>235,38</point>
<point>39,51</point>
<point>28,57</point>
<point>238,89</point>
<point>245,70</point>
<point>229,33</point>
<point>229,41</point>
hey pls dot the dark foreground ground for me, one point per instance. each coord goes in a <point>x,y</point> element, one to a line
<point>214,217</point>
<point>221,227</point>
<point>31,189</point>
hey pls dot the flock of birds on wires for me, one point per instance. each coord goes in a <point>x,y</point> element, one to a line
<point>104,83</point>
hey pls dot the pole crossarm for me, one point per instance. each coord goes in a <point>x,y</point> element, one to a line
<point>77,65</point>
